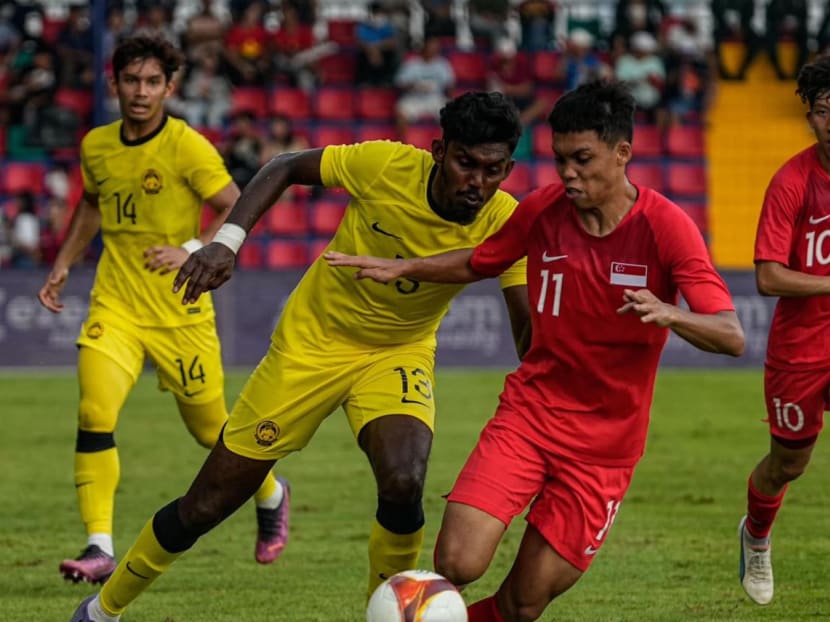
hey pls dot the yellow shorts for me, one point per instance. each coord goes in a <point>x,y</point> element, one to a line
<point>288,396</point>
<point>188,359</point>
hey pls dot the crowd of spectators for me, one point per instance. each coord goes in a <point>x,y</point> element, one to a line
<point>272,44</point>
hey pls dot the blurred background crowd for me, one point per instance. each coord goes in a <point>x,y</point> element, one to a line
<point>269,76</point>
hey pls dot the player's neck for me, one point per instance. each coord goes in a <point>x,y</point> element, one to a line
<point>604,218</point>
<point>137,131</point>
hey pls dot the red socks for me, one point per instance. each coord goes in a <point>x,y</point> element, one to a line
<point>761,511</point>
<point>484,611</point>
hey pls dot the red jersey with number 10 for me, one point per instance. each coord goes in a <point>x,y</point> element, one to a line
<point>794,230</point>
<point>586,384</point>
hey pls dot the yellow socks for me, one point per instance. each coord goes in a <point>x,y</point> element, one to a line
<point>390,553</point>
<point>96,477</point>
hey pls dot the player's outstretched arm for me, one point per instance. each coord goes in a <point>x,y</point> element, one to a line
<point>449,267</point>
<point>86,220</point>
<point>713,332</point>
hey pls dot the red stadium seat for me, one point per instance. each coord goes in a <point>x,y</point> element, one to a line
<point>251,99</point>
<point>342,31</point>
<point>543,66</point>
<point>686,179</point>
<point>287,218</point>
<point>316,248</point>
<point>544,174</point>
<point>250,255</point>
<point>334,104</point>
<point>542,141</point>
<point>376,104</point>
<point>685,141</point>
<point>290,102</point>
<point>286,254</point>
<point>78,101</point>
<point>470,68</point>
<point>422,135</point>
<point>338,68</point>
<point>19,177</point>
<point>649,175</point>
<point>214,135</point>
<point>324,135</point>
<point>519,183</point>
<point>648,141</point>
<point>376,131</point>
<point>326,216</point>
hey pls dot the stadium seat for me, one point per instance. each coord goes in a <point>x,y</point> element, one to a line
<point>290,102</point>
<point>422,135</point>
<point>376,131</point>
<point>520,182</point>
<point>543,66</point>
<point>251,99</point>
<point>686,179</point>
<point>337,69</point>
<point>648,141</point>
<point>342,31</point>
<point>685,141</point>
<point>287,218</point>
<point>544,174</point>
<point>316,248</point>
<point>650,175</point>
<point>470,68</point>
<point>286,254</point>
<point>250,255</point>
<point>78,101</point>
<point>326,216</point>
<point>323,135</point>
<point>19,177</point>
<point>542,141</point>
<point>698,212</point>
<point>333,104</point>
<point>376,104</point>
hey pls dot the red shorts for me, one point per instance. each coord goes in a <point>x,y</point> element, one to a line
<point>575,502</point>
<point>796,401</point>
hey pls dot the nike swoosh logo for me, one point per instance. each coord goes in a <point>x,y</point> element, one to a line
<point>376,227</point>
<point>101,183</point>
<point>590,550</point>
<point>815,221</point>
<point>382,576</point>
<point>78,485</point>
<point>192,393</point>
<point>140,576</point>
<point>548,258</point>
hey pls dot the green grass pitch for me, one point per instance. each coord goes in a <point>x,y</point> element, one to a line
<point>671,556</point>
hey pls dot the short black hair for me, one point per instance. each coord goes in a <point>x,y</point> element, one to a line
<point>476,118</point>
<point>604,106</point>
<point>814,80</point>
<point>142,48</point>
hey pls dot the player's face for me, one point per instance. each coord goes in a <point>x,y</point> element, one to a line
<point>142,88</point>
<point>819,119</point>
<point>468,176</point>
<point>592,171</point>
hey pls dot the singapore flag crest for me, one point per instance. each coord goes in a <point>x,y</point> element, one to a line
<point>629,274</point>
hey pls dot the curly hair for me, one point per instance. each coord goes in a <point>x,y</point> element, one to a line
<point>814,80</point>
<point>476,118</point>
<point>603,106</point>
<point>142,48</point>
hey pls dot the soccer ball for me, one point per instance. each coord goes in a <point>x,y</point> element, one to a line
<point>416,596</point>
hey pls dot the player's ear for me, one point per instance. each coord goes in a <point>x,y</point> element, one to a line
<point>439,150</point>
<point>623,152</point>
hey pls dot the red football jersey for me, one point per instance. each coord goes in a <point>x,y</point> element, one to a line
<point>794,230</point>
<point>586,383</point>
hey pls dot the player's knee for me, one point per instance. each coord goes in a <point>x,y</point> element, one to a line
<point>400,518</point>
<point>201,513</point>
<point>401,486</point>
<point>457,563</point>
<point>788,471</point>
<point>95,417</point>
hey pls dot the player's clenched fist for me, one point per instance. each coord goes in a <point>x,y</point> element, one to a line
<point>204,270</point>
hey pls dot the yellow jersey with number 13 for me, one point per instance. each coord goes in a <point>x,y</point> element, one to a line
<point>150,192</point>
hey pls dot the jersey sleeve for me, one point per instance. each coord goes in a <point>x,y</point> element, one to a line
<point>776,226</point>
<point>683,249</point>
<point>508,245</point>
<point>515,274</point>
<point>356,167</point>
<point>201,164</point>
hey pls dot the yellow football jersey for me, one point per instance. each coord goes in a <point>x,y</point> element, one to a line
<point>150,192</point>
<point>387,216</point>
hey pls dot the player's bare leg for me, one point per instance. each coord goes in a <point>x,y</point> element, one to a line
<point>398,448</point>
<point>785,462</point>
<point>224,483</point>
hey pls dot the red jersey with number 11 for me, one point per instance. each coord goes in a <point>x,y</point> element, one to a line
<point>585,386</point>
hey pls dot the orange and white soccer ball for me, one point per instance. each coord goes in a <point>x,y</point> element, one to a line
<point>416,596</point>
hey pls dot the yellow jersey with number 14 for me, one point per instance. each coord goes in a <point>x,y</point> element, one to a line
<point>388,215</point>
<point>150,192</point>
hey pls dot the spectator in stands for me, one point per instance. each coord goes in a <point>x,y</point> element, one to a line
<point>115,30</point>
<point>488,20</point>
<point>734,21</point>
<point>9,34</point>
<point>689,83</point>
<point>644,71</point>
<point>424,81</point>
<point>25,233</point>
<point>54,231</point>
<point>246,44</point>
<point>206,93</point>
<point>580,62</point>
<point>34,88</point>
<point>787,19</point>
<point>378,55</point>
<point>203,33</point>
<point>295,51</point>
<point>536,18</point>
<point>280,138</point>
<point>242,148</point>
<point>510,74</point>
<point>438,19</point>
<point>156,21</point>
<point>76,49</point>
<point>635,16</point>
